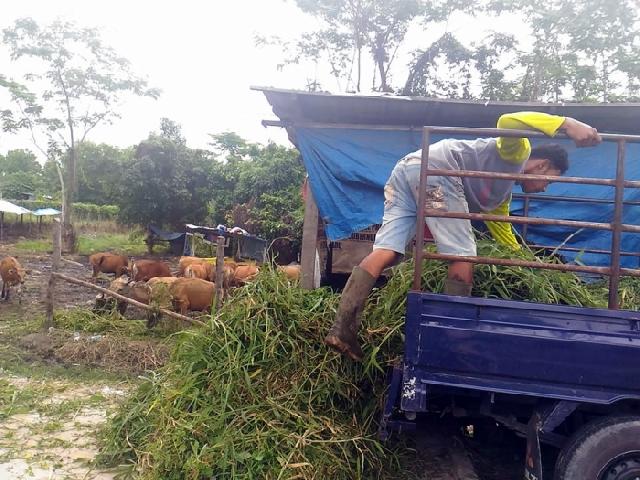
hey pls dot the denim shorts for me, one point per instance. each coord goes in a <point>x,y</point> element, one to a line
<point>452,236</point>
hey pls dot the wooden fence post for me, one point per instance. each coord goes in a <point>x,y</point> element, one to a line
<point>309,242</point>
<point>55,264</point>
<point>219,270</point>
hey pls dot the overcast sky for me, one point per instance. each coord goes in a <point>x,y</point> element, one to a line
<point>201,54</point>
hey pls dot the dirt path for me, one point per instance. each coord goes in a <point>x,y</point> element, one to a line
<point>48,428</point>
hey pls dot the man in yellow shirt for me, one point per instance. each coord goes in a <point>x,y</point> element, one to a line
<point>454,194</point>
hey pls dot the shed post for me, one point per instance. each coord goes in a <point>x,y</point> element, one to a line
<point>309,241</point>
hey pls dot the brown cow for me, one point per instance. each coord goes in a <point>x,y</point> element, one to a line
<point>186,261</point>
<point>156,290</point>
<point>243,274</point>
<point>143,270</point>
<point>106,262</point>
<point>203,271</point>
<point>12,274</point>
<point>291,271</point>
<point>191,294</point>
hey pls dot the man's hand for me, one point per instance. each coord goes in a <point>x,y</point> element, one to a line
<point>581,133</point>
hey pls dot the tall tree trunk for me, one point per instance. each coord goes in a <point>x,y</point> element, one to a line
<point>68,233</point>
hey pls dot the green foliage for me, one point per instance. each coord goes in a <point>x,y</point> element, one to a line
<point>100,170</point>
<point>20,173</point>
<point>581,51</point>
<point>353,29</point>
<point>258,187</point>
<point>166,183</point>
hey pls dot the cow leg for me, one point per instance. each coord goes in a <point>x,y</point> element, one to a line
<point>2,293</point>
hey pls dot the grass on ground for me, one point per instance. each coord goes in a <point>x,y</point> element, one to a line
<point>131,244</point>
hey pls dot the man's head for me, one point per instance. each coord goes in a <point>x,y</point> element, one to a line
<point>550,159</point>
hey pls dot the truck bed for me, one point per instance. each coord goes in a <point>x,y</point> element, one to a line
<point>524,348</point>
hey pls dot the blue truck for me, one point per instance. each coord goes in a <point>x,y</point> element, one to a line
<point>559,375</point>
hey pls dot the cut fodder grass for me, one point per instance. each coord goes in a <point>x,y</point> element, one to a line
<point>256,394</point>
<point>88,321</point>
<point>115,354</point>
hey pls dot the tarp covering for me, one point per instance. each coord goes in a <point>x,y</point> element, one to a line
<point>46,212</point>
<point>349,167</point>
<point>8,207</point>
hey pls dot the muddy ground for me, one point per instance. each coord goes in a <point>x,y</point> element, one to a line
<point>57,387</point>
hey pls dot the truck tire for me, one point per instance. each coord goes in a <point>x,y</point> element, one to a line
<point>606,449</point>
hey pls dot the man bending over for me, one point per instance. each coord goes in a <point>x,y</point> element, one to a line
<point>454,194</point>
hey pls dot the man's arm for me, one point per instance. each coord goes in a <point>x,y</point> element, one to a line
<point>502,232</point>
<point>517,150</point>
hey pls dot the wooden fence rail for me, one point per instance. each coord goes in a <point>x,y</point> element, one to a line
<point>130,301</point>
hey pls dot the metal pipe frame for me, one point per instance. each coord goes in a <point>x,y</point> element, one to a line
<point>526,197</point>
<point>616,226</point>
<point>532,220</point>
<point>535,246</point>
<point>523,176</point>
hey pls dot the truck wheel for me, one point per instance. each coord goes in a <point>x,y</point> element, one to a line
<point>607,449</point>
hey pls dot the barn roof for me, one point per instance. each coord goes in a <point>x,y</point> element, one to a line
<point>295,108</point>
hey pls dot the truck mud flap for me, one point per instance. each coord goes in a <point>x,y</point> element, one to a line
<point>533,457</point>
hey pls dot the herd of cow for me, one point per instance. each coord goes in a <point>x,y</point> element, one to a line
<point>191,289</point>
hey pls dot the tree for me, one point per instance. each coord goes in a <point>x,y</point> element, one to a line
<point>582,51</point>
<point>79,81</point>
<point>20,173</point>
<point>100,169</point>
<point>443,70</point>
<point>351,30</point>
<point>257,187</point>
<point>166,183</point>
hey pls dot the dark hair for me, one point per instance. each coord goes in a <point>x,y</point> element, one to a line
<point>553,152</point>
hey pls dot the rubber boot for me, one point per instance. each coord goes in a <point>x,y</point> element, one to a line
<point>456,287</point>
<point>343,334</point>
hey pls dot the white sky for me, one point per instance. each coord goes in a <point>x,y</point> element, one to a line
<point>201,54</point>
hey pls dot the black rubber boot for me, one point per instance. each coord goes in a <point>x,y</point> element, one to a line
<point>456,287</point>
<point>343,334</point>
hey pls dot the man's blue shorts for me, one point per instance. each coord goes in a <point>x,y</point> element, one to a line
<point>452,236</point>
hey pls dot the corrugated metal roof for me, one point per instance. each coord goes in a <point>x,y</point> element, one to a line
<point>297,107</point>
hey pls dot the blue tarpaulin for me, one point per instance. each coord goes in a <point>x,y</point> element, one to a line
<point>349,167</point>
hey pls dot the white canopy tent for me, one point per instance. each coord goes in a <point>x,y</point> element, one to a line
<point>8,207</point>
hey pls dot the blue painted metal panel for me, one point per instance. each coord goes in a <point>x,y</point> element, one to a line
<point>554,351</point>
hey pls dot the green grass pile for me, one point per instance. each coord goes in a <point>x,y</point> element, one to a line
<point>257,395</point>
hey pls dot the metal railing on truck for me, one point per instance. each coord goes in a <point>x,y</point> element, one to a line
<point>614,271</point>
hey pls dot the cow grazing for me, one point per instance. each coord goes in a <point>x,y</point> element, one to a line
<point>12,274</point>
<point>156,290</point>
<point>109,263</point>
<point>143,270</point>
<point>192,294</point>
<point>243,274</point>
